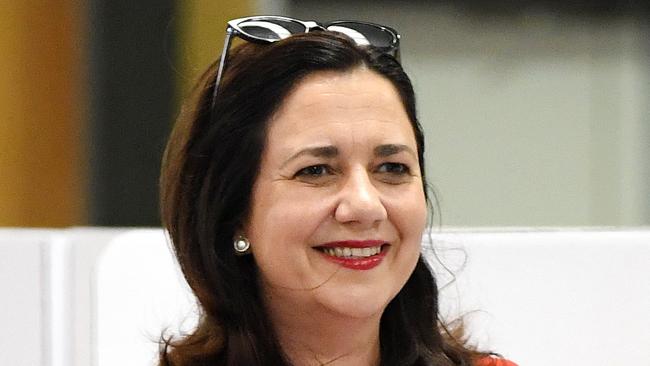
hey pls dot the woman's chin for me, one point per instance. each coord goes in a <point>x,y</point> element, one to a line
<point>354,304</point>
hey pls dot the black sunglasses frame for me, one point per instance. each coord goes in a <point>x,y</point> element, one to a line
<point>233,29</point>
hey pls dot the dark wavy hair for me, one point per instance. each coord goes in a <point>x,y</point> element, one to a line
<point>209,168</point>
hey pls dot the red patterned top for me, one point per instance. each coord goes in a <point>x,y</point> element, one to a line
<point>493,361</point>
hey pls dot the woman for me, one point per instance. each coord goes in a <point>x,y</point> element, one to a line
<point>293,189</point>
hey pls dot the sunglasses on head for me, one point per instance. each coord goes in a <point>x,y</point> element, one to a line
<point>269,29</point>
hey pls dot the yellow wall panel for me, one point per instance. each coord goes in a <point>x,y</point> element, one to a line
<point>41,110</point>
<point>202,28</point>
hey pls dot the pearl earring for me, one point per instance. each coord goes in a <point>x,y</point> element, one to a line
<point>242,245</point>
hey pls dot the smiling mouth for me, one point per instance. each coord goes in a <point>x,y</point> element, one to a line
<point>356,255</point>
<point>351,252</point>
<point>354,248</point>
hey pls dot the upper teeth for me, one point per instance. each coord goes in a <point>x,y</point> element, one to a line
<point>352,252</point>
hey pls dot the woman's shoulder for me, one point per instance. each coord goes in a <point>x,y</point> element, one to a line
<point>494,361</point>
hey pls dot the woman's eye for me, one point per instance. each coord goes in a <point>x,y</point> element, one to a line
<point>314,171</point>
<point>394,168</point>
<point>394,173</point>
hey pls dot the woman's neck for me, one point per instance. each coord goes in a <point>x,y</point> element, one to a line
<point>313,336</point>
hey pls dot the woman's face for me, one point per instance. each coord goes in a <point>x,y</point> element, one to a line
<point>338,208</point>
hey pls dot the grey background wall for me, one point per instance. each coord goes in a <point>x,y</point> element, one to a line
<point>533,117</point>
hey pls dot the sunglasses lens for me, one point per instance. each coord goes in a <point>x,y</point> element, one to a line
<point>271,29</point>
<point>365,34</point>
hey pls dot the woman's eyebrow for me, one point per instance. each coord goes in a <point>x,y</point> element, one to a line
<point>392,149</point>
<point>317,151</point>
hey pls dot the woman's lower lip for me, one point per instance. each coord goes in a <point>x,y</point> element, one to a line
<point>358,263</point>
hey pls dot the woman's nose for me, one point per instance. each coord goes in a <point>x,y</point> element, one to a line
<point>360,201</point>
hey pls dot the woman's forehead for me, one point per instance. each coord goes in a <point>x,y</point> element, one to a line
<point>353,111</point>
<point>358,88</point>
<point>340,102</point>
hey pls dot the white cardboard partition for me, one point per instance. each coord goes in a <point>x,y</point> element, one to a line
<point>100,297</point>
<point>555,297</point>
<point>23,338</point>
<point>140,292</point>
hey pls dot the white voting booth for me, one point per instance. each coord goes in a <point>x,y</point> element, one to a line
<point>91,296</point>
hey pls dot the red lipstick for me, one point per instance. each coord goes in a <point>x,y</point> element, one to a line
<point>356,262</point>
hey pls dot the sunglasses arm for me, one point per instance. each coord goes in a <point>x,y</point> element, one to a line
<point>222,64</point>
